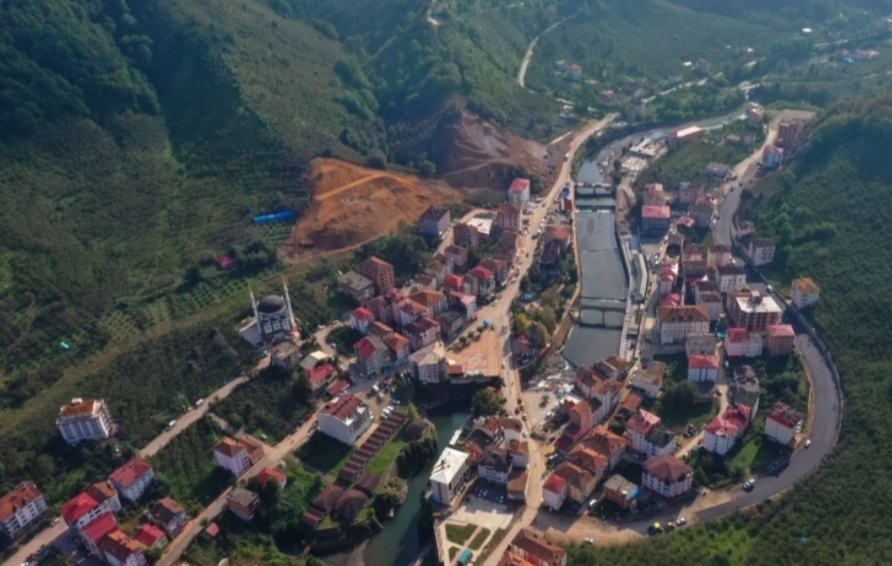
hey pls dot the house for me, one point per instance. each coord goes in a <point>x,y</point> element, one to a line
<point>481,282</point>
<point>459,256</point>
<point>655,219</point>
<point>782,424</point>
<point>372,355</point>
<point>453,283</point>
<point>752,311</point>
<point>709,299</point>
<point>465,235</point>
<point>509,240</point>
<point>772,156</point>
<point>705,345</point>
<point>607,444</point>
<point>804,293</point>
<point>689,192</point>
<point>499,268</point>
<point>495,467</point>
<point>649,381</point>
<point>622,492</point>
<point>691,252</point>
<point>587,379</point>
<point>519,450</point>
<point>693,270</point>
<point>379,272</point>
<point>105,495</point>
<point>755,116</point>
<point>425,281</point>
<point>761,251</point>
<point>717,170</point>
<point>357,287</point>
<point>398,348</point>
<point>80,511</point>
<point>702,211</point>
<point>422,332</point>
<point>379,330</point>
<point>605,398</point>
<point>536,550</point>
<point>449,476</point>
<point>466,303</point>
<point>613,367</point>
<point>429,364</point>
<point>267,474</point>
<point>745,391</point>
<point>724,430</point>
<point>780,339</point>
<point>667,276</point>
<point>168,515</point>
<point>730,278</point>
<point>638,427</point>
<point>574,72</point>
<point>517,484</point>
<point>512,429</point>
<point>508,216</point>
<point>84,420</point>
<point>285,354</point>
<point>321,377</point>
<point>609,98</point>
<point>703,368</point>
<point>94,532</point>
<point>549,256</point>
<point>667,476</point>
<point>237,455</point>
<point>677,323</point>
<point>434,301</point>
<point>435,221</point>
<point>382,309</point>
<point>360,319</point>
<point>209,533</point>
<point>653,194</point>
<point>150,537</point>
<point>741,343</point>
<point>555,491</point>
<point>121,550</point>
<point>787,134</point>
<point>20,508</point>
<point>132,479</point>
<point>629,406</point>
<point>580,482</point>
<point>345,419</point>
<point>519,191</point>
<point>242,502</point>
<point>437,269</point>
<point>588,459</point>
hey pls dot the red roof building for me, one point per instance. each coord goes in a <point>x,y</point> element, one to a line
<point>267,474</point>
<point>150,536</point>
<point>93,533</point>
<point>77,511</point>
<point>321,375</point>
<point>133,478</point>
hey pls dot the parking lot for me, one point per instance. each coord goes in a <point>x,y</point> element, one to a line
<point>489,492</point>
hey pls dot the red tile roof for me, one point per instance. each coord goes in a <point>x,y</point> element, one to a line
<point>363,314</point>
<point>337,387</point>
<point>642,422</point>
<point>343,407</point>
<point>738,335</point>
<point>102,491</point>
<point>555,484</point>
<point>698,361</point>
<point>77,507</point>
<point>99,527</point>
<point>667,469</point>
<point>785,415</point>
<point>655,211</point>
<point>537,546</point>
<point>365,349</point>
<point>481,273</point>
<point>321,373</point>
<point>148,535</point>
<point>119,545</point>
<point>519,185</point>
<point>267,473</point>
<point>780,330</point>
<point>21,496</point>
<point>127,474</point>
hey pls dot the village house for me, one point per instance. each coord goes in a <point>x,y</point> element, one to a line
<point>607,444</point>
<point>242,502</point>
<point>357,287</point>
<point>702,344</point>
<point>169,516</point>
<point>132,479</point>
<point>84,420</point>
<point>730,278</point>
<point>449,476</point>
<point>150,537</point>
<point>761,251</point>
<point>465,235</point>
<point>481,282</point>
<point>722,432</point>
<point>372,355</point>
<point>93,533</point>
<point>495,467</point>
<point>593,462</point>
<point>519,191</point>
<point>677,323</point>
<point>120,550</point>
<point>345,419</point>
<point>780,339</point>
<point>267,474</point>
<point>453,283</point>
<point>360,319</point>
<point>621,491</point>
<point>466,303</point>
<point>650,380</point>
<point>580,483</point>
<point>237,455</point>
<point>782,424</point>
<point>20,508</point>
<point>379,272</point>
<point>398,348</point>
<point>772,156</point>
<point>105,495</point>
<point>429,364</point>
<point>536,550</point>
<point>752,311</point>
<point>804,293</point>
<point>81,510</point>
<point>740,343</point>
<point>435,221</point>
<point>717,170</point>
<point>655,219</point>
<point>459,256</point>
<point>554,492</point>
<point>667,476</point>
<point>508,216</point>
<point>703,368</point>
<point>321,377</point>
<point>648,436</point>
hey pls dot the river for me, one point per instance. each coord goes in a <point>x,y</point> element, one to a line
<point>397,543</point>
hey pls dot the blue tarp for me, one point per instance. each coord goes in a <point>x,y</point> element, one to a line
<point>634,493</point>
<point>276,217</point>
<point>465,556</point>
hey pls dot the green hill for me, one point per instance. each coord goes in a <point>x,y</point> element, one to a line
<point>830,210</point>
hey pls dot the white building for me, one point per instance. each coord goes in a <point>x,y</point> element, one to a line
<point>676,323</point>
<point>84,420</point>
<point>650,380</point>
<point>520,453</point>
<point>782,424</point>
<point>554,491</point>
<point>703,368</point>
<point>638,427</point>
<point>449,475</point>
<point>761,251</point>
<point>237,456</point>
<point>724,430</point>
<point>121,550</point>
<point>20,508</point>
<point>132,479</point>
<point>804,293</point>
<point>741,343</point>
<point>495,467</point>
<point>429,363</point>
<point>519,191</point>
<point>667,476</point>
<point>730,278</point>
<point>345,419</point>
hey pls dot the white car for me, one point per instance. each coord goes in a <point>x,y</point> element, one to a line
<point>681,521</point>
<point>808,443</point>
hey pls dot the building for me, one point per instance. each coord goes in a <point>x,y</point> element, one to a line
<point>804,293</point>
<point>649,381</point>
<point>357,287</point>
<point>465,235</point>
<point>105,495</point>
<point>755,116</point>
<point>481,282</point>
<point>429,364</point>
<point>451,322</point>
<point>655,219</point>
<point>702,211</point>
<point>517,484</point>
<point>717,170</point>
<point>622,492</point>
<point>360,318</point>
<point>574,72</point>
<point>80,511</point>
<point>730,278</point>
<point>761,251</point>
<point>459,256</point>
<point>422,332</point>
<point>580,482</point>
<point>84,420</point>
<point>787,134</point>
<point>782,424</point>
<point>536,550</point>
<point>752,311</point>
<point>586,458</point>
<point>554,492</point>
<point>741,343</point>
<point>718,255</point>
<point>321,377</point>
<point>780,339</point>
<point>237,456</point>
<point>379,272</point>
<point>724,430</point>
<point>519,191</point>
<point>712,301</point>
<point>267,474</point>
<point>372,354</point>
<point>705,345</point>
<point>242,502</point>
<point>638,427</point>
<point>703,368</point>
<point>273,317</point>
<point>435,221</point>
<point>121,550</point>
<point>20,508</point>
<point>150,537</point>
<point>449,476</point>
<point>772,156</point>
<point>667,476</point>
<point>285,354</point>
<point>169,516</point>
<point>677,323</point>
<point>434,301</point>
<point>345,419</point>
<point>495,467</point>
<point>94,532</point>
<point>508,216</point>
<point>607,444</point>
<point>398,348</point>
<point>519,450</point>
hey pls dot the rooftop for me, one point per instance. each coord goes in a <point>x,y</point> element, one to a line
<point>448,465</point>
<point>345,407</point>
<point>21,496</point>
<point>79,408</point>
<point>131,471</point>
<point>655,211</point>
<point>119,545</point>
<point>805,285</point>
<point>148,535</point>
<point>99,527</point>
<point>780,330</point>
<point>642,422</point>
<point>667,469</point>
<point>785,415</point>
<point>535,545</point>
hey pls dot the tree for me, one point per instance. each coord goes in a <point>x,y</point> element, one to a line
<point>680,395</point>
<point>486,403</point>
<point>521,324</point>
<point>538,334</point>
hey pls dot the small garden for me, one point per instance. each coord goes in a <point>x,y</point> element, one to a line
<point>324,454</point>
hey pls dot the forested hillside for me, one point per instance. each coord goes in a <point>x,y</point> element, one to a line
<point>830,211</point>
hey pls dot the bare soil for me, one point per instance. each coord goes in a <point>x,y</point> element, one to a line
<point>351,205</point>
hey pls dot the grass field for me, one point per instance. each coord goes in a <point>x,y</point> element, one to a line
<point>387,455</point>
<point>324,453</point>
<point>479,539</point>
<point>459,534</point>
<point>756,453</point>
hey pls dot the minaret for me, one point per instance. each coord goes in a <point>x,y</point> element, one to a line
<point>288,304</point>
<point>254,308</point>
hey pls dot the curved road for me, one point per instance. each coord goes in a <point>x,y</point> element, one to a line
<point>521,74</point>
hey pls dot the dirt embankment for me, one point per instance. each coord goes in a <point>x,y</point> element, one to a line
<point>351,205</point>
<point>480,155</point>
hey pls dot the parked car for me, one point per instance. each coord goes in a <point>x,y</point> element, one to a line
<point>681,522</point>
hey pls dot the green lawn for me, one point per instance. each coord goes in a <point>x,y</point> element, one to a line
<point>479,539</point>
<point>387,455</point>
<point>324,453</point>
<point>453,550</point>
<point>459,533</point>
<point>697,413</point>
<point>756,453</point>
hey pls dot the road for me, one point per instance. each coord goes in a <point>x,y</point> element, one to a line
<point>522,72</point>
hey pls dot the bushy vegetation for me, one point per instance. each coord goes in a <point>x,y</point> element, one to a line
<point>687,161</point>
<point>839,175</point>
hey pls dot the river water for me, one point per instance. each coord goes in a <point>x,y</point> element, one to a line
<point>397,543</point>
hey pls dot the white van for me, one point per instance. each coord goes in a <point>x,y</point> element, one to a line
<point>170,425</point>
